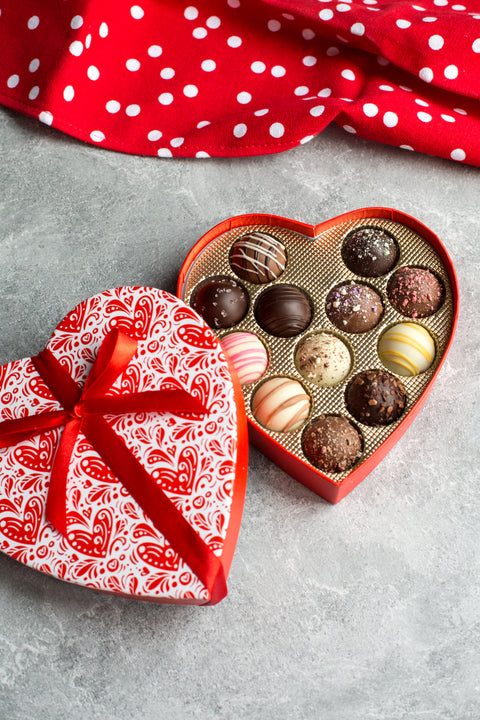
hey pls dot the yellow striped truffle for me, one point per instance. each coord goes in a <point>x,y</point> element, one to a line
<point>406,349</point>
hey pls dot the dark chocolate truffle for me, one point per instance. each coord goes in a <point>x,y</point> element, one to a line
<point>283,310</point>
<point>354,307</point>
<point>370,252</point>
<point>415,292</point>
<point>221,301</point>
<point>332,443</point>
<point>258,257</point>
<point>374,397</point>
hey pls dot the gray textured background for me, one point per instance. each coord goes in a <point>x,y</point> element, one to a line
<point>367,610</point>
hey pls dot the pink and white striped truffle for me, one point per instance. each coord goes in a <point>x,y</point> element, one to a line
<point>247,354</point>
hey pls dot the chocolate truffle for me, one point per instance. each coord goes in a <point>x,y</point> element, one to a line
<point>221,301</point>
<point>283,311</point>
<point>281,404</point>
<point>406,349</point>
<point>415,292</point>
<point>331,443</point>
<point>374,397</point>
<point>247,354</point>
<point>258,257</point>
<point>323,358</point>
<point>370,251</point>
<point>354,307</point>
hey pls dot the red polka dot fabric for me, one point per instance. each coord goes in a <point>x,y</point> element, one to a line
<point>246,77</point>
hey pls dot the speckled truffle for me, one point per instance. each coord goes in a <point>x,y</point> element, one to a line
<point>324,359</point>
<point>221,301</point>
<point>331,443</point>
<point>375,397</point>
<point>283,311</point>
<point>354,307</point>
<point>370,252</point>
<point>415,292</point>
<point>258,257</point>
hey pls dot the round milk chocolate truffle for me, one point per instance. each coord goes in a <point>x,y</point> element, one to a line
<point>283,311</point>
<point>324,359</point>
<point>221,301</point>
<point>415,292</point>
<point>370,252</point>
<point>332,443</point>
<point>258,257</point>
<point>354,307</point>
<point>281,404</point>
<point>375,397</point>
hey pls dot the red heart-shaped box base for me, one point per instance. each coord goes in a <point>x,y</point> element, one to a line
<point>189,469</point>
<point>315,264</point>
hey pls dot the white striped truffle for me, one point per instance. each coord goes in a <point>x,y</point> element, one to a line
<point>281,404</point>
<point>406,349</point>
<point>258,257</point>
<point>247,354</point>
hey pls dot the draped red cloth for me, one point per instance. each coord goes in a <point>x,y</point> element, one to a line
<point>246,77</point>
<point>83,410</point>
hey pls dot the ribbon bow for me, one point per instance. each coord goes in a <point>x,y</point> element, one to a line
<point>83,410</point>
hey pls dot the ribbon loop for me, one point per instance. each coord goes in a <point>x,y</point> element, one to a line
<point>82,411</point>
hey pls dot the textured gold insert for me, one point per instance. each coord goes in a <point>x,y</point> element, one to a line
<point>316,265</point>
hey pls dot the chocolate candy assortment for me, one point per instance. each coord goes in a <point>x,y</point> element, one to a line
<point>334,338</point>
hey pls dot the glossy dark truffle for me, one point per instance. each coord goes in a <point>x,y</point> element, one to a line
<point>375,397</point>
<point>221,301</point>
<point>332,443</point>
<point>354,307</point>
<point>283,311</point>
<point>258,257</point>
<point>370,252</point>
<point>415,292</point>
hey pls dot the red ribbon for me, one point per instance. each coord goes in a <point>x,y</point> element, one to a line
<point>83,410</point>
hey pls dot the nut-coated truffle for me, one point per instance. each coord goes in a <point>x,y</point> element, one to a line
<point>332,443</point>
<point>258,257</point>
<point>415,292</point>
<point>324,359</point>
<point>283,311</point>
<point>370,252</point>
<point>375,397</point>
<point>221,301</point>
<point>354,307</point>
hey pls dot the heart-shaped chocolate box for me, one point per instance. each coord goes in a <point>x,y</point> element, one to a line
<point>315,264</point>
<point>192,462</point>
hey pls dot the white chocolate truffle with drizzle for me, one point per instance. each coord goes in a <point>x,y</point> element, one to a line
<point>406,349</point>
<point>258,257</point>
<point>281,404</point>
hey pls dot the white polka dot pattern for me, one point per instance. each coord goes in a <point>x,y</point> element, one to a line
<point>227,81</point>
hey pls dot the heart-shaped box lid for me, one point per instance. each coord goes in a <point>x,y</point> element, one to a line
<point>174,539</point>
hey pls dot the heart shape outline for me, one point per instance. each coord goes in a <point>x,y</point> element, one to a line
<point>298,468</point>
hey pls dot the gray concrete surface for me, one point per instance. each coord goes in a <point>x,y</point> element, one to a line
<point>368,610</point>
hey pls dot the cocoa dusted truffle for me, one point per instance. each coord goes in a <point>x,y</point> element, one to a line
<point>332,443</point>
<point>354,307</point>
<point>415,292</point>
<point>221,301</point>
<point>375,397</point>
<point>283,311</point>
<point>258,257</point>
<point>370,252</point>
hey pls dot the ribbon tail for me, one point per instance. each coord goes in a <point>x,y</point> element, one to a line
<point>159,508</point>
<point>56,504</point>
